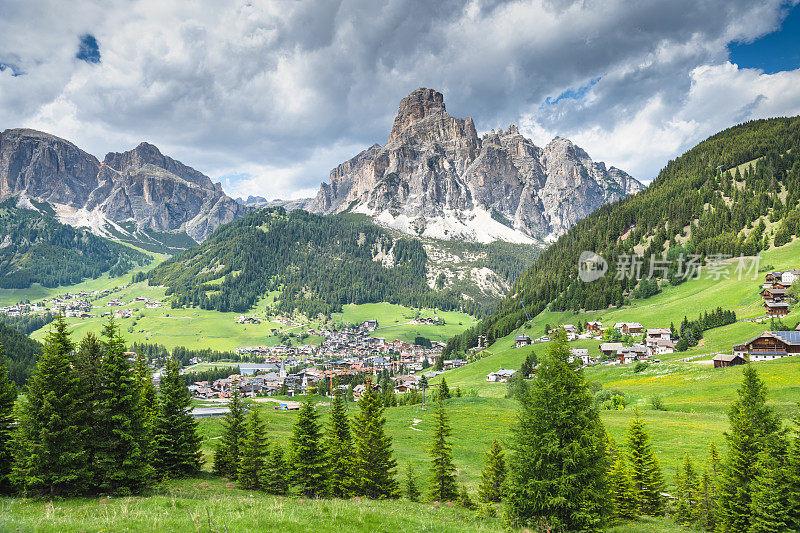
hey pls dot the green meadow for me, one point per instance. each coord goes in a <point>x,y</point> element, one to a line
<point>202,328</point>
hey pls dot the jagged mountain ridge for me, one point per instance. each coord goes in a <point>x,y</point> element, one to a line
<point>141,186</point>
<point>436,178</point>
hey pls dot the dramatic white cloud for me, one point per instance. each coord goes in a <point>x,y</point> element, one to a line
<point>268,96</point>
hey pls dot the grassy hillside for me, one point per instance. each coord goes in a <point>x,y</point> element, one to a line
<point>204,328</point>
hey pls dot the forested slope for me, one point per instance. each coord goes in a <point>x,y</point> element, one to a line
<point>36,248</point>
<point>318,263</point>
<point>700,203</point>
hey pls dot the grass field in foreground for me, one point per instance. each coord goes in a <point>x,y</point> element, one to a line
<point>208,504</point>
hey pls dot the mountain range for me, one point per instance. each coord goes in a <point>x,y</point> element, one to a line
<point>435,177</point>
<point>140,195</point>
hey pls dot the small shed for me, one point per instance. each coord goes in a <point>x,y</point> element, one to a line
<point>724,360</point>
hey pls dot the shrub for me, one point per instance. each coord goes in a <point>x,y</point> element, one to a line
<point>641,366</point>
<point>657,403</point>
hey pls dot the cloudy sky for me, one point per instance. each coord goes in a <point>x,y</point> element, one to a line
<point>267,97</point>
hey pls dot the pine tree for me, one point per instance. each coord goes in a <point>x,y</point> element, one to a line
<point>769,502</point>
<point>121,454</point>
<point>89,365</point>
<point>751,423</point>
<point>410,484</point>
<point>439,365</point>
<point>464,499</point>
<point>176,444</point>
<point>444,390</point>
<point>687,483</point>
<point>620,487</point>
<point>339,450</point>
<point>49,445</point>
<point>648,482</point>
<point>493,476</point>
<point>148,399</point>
<point>228,451</point>
<point>375,468</point>
<point>308,459</point>
<point>558,467</point>
<point>8,396</point>
<point>253,454</point>
<point>443,480</point>
<point>274,479</point>
<point>793,478</point>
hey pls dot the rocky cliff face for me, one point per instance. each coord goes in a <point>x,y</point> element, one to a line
<point>436,178</point>
<point>141,186</point>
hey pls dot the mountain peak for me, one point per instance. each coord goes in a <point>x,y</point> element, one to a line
<point>416,106</point>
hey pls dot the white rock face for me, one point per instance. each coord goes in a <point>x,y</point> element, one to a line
<point>436,178</point>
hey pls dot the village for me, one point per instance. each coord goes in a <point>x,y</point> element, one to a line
<point>619,347</point>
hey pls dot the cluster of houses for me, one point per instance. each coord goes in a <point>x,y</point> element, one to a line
<point>774,291</point>
<point>241,319</point>
<point>273,378</point>
<point>657,342</point>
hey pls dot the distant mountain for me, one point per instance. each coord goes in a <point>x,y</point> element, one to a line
<point>736,193</point>
<point>36,248</point>
<point>259,202</point>
<point>436,178</point>
<point>141,196</point>
<point>319,263</point>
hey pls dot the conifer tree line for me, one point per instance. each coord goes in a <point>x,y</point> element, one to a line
<point>92,422</point>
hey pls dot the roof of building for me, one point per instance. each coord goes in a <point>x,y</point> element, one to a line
<point>776,304</point>
<point>609,346</point>
<point>659,331</point>
<point>789,337</point>
<point>504,372</point>
<point>726,357</point>
<point>522,338</point>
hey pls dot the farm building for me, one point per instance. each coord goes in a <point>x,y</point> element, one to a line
<point>723,360</point>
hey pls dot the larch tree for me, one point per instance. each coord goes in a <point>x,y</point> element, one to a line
<point>8,396</point>
<point>751,423</point>
<point>228,451</point>
<point>339,450</point>
<point>176,444</point>
<point>558,465</point>
<point>50,444</point>
<point>121,453</point>
<point>443,486</point>
<point>648,481</point>
<point>308,458</point>
<point>493,476</point>
<point>253,453</point>
<point>375,467</point>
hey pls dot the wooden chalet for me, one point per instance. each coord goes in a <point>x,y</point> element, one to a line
<point>771,345</point>
<point>771,293</point>
<point>774,308</point>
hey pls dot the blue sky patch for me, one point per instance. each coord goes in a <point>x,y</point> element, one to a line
<point>573,93</point>
<point>775,52</point>
<point>88,49</point>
